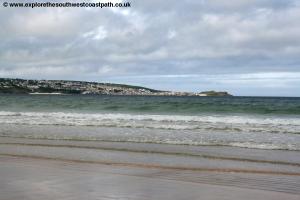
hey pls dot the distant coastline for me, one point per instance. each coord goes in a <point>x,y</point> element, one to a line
<point>63,87</point>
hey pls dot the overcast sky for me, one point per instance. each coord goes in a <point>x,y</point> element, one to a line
<point>245,47</point>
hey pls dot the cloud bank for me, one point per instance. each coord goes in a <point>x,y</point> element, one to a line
<point>247,47</point>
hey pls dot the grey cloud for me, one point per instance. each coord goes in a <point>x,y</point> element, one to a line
<point>153,37</point>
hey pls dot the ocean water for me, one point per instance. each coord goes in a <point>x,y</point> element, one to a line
<point>250,122</point>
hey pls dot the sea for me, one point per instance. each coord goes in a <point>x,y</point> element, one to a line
<point>271,123</point>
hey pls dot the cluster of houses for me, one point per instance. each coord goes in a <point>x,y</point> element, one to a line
<point>81,87</point>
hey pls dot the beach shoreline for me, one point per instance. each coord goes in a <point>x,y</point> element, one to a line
<point>47,169</point>
<point>36,178</point>
<point>160,156</point>
<point>91,147</point>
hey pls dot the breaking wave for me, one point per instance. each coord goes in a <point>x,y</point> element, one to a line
<point>208,123</point>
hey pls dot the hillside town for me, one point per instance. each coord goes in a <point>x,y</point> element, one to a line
<point>24,86</point>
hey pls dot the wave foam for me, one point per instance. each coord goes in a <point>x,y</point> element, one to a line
<point>222,123</point>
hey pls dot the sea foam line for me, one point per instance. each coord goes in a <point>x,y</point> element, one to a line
<point>232,119</point>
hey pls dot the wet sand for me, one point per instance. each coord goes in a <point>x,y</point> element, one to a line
<point>62,169</point>
<point>29,178</point>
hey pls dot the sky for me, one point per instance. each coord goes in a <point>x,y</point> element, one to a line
<point>245,47</point>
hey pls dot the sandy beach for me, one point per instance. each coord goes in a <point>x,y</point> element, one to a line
<point>50,169</point>
<point>148,148</point>
<point>150,100</point>
<point>28,178</point>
